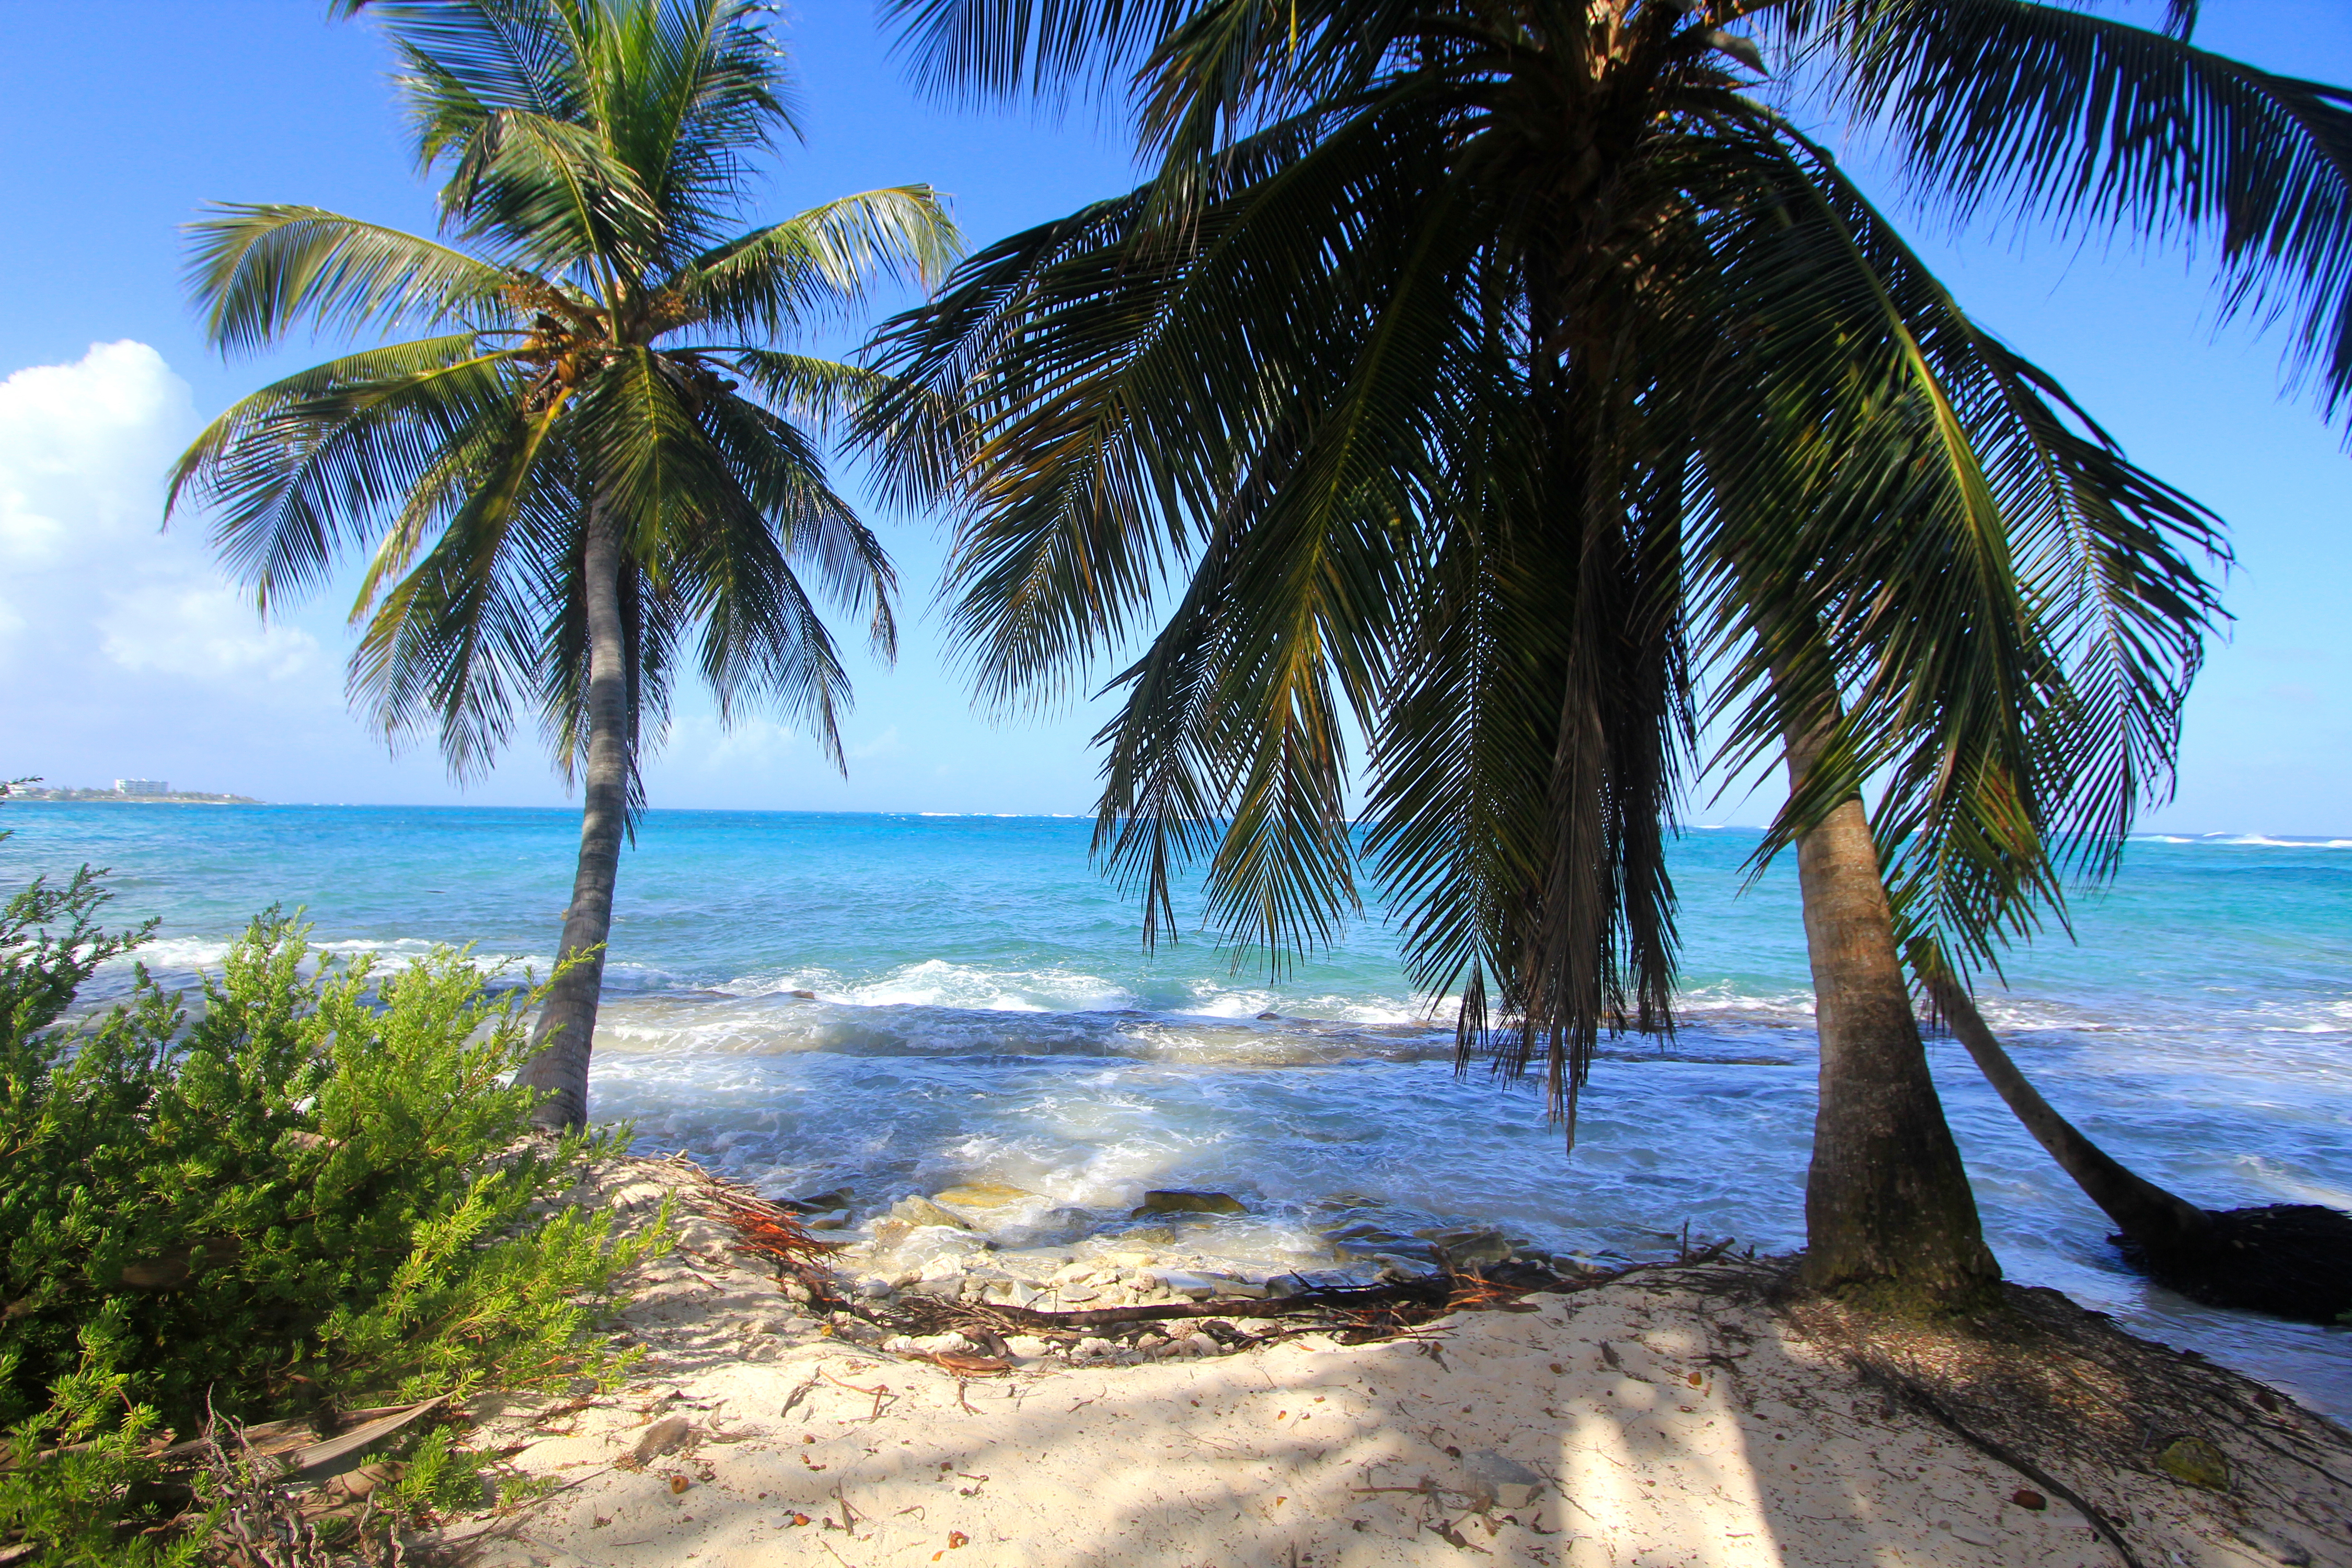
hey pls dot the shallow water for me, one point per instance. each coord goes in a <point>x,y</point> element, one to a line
<point>983,1011</point>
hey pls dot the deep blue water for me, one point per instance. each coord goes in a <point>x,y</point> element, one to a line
<point>984,1011</point>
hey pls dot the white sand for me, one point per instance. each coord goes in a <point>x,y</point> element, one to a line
<point>1667,1428</point>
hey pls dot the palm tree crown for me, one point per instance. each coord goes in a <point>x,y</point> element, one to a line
<point>1455,358</point>
<point>597,436</point>
<point>1508,377</point>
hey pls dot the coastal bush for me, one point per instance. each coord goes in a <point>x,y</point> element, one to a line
<point>316,1187</point>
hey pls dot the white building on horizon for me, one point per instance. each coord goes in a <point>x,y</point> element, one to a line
<point>142,786</point>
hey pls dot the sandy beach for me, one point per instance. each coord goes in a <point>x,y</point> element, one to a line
<point>1678,1417</point>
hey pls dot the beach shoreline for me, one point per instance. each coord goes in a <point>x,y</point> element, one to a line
<point>1683,1416</point>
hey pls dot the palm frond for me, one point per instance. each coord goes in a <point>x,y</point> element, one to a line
<point>305,468</point>
<point>257,270</point>
<point>821,262</point>
<point>2092,123</point>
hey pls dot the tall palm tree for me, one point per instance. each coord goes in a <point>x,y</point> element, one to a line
<point>589,474</point>
<point>1497,371</point>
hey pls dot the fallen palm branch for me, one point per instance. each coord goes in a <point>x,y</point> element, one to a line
<point>1355,1314</point>
<point>764,1229</point>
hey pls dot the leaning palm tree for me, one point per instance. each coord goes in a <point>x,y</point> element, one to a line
<point>1501,374</point>
<point>589,474</point>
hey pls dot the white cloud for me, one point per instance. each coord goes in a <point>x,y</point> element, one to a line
<point>85,575</point>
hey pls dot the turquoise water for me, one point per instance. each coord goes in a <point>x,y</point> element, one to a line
<point>984,1010</point>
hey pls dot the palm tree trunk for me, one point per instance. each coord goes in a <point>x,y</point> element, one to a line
<point>1888,1212</point>
<point>2163,1225</point>
<point>567,1023</point>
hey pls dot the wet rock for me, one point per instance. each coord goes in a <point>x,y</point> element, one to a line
<point>1311,1279</point>
<point>1267,1017</point>
<point>2195,1461</point>
<point>1152,1236</point>
<point>803,996</point>
<point>836,1220</point>
<point>1369,1239</point>
<point>1175,1200</point>
<point>1498,1481</point>
<point>819,1202</point>
<point>919,1210</point>
<point>873,1288</point>
<point>983,1196</point>
<point>1468,1246</point>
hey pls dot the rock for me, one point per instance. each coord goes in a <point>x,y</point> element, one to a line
<point>818,1203</point>
<point>1011,1292</point>
<point>1497,1481</point>
<point>1175,1200</point>
<point>1368,1238</point>
<point>1152,1236</point>
<point>1267,1017</point>
<point>2027,1498</point>
<point>803,996</point>
<point>873,1288</point>
<point>2195,1461</point>
<point>1027,1347</point>
<point>1468,1246</point>
<point>983,1196</point>
<point>665,1435</point>
<point>1125,1261</point>
<point>1199,1286</point>
<point>856,1330</point>
<point>837,1220</point>
<point>918,1210</point>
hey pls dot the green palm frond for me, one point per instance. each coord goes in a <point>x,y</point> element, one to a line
<point>257,270</point>
<point>2088,122</point>
<point>821,262</point>
<point>293,474</point>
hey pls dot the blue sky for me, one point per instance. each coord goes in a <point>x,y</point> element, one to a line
<point>122,652</point>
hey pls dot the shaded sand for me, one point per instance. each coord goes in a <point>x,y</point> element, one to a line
<point>1676,1418</point>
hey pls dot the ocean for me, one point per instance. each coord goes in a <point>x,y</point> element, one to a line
<point>983,1010</point>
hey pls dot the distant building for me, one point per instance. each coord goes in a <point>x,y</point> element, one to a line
<point>142,786</point>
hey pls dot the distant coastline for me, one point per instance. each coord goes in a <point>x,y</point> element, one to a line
<point>168,798</point>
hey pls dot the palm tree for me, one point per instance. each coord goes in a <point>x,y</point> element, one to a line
<point>589,474</point>
<point>1496,372</point>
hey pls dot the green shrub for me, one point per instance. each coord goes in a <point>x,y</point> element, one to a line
<point>320,1186</point>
